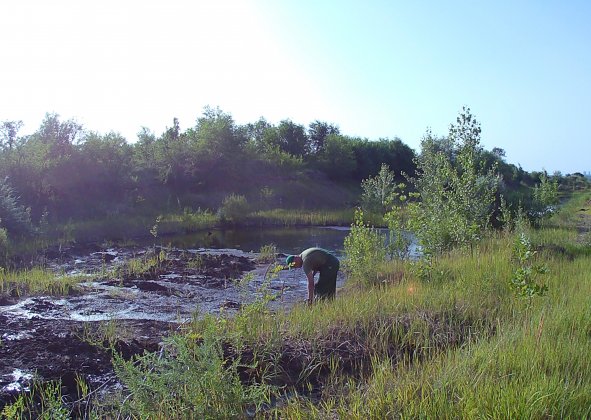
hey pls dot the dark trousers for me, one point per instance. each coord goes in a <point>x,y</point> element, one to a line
<point>326,286</point>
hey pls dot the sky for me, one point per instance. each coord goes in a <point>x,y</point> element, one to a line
<point>375,68</point>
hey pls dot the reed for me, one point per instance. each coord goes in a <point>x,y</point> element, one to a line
<point>284,217</point>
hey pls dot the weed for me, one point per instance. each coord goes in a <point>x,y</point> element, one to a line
<point>267,254</point>
<point>189,378</point>
<point>283,217</point>
<point>104,335</point>
<point>524,275</point>
<point>43,402</point>
<point>195,262</point>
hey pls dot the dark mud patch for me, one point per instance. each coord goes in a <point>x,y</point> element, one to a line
<point>182,264</point>
<point>60,350</point>
<point>44,336</point>
<point>182,267</point>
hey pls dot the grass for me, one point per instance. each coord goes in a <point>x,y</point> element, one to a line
<point>284,217</point>
<point>529,361</point>
<point>267,254</point>
<point>36,281</point>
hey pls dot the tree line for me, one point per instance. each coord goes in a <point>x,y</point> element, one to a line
<point>62,171</point>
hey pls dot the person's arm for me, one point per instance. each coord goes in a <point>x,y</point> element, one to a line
<point>310,276</point>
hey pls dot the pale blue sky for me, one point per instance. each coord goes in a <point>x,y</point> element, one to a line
<point>375,68</point>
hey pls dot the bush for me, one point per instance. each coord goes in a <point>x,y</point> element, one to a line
<point>364,249</point>
<point>15,218</point>
<point>4,246</point>
<point>457,194</point>
<point>189,379</point>
<point>234,209</point>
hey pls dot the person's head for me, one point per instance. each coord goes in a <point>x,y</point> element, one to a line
<point>293,261</point>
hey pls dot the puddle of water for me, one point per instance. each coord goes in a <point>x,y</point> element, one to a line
<point>17,381</point>
<point>18,336</point>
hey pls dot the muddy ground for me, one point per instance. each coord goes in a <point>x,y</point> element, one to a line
<point>50,337</point>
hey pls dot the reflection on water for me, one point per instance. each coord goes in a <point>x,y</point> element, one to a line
<point>287,240</point>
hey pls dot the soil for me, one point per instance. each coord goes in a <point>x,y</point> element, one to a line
<point>35,348</point>
<point>63,338</point>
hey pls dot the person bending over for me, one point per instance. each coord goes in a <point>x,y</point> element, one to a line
<point>317,260</point>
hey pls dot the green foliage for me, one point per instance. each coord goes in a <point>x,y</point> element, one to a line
<point>456,195</point>
<point>524,276</point>
<point>189,379</point>
<point>37,281</point>
<point>399,240</point>
<point>267,253</point>
<point>14,217</point>
<point>191,166</point>
<point>43,402</point>
<point>337,158</point>
<point>4,248</point>
<point>283,160</point>
<point>546,192</point>
<point>193,221</point>
<point>283,217</point>
<point>370,155</point>
<point>545,198</point>
<point>234,208</point>
<point>318,132</point>
<point>365,250</point>
<point>102,334</point>
<point>380,191</point>
<point>155,226</point>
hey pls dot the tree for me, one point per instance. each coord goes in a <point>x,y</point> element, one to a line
<point>499,153</point>
<point>379,192</point>
<point>14,217</point>
<point>545,197</point>
<point>40,166</point>
<point>370,155</point>
<point>456,193</point>
<point>318,131</point>
<point>292,138</point>
<point>337,159</point>
<point>217,148</point>
<point>255,133</point>
<point>9,134</point>
<point>58,136</point>
<point>105,176</point>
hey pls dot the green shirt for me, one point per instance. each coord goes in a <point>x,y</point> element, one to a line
<point>315,259</point>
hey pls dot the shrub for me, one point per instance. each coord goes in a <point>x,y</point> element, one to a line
<point>189,379</point>
<point>234,208</point>
<point>15,218</point>
<point>4,246</point>
<point>523,280</point>
<point>364,249</point>
<point>267,253</point>
<point>457,193</point>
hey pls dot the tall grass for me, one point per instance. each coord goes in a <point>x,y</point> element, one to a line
<point>36,281</point>
<point>284,217</point>
<point>532,364</point>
